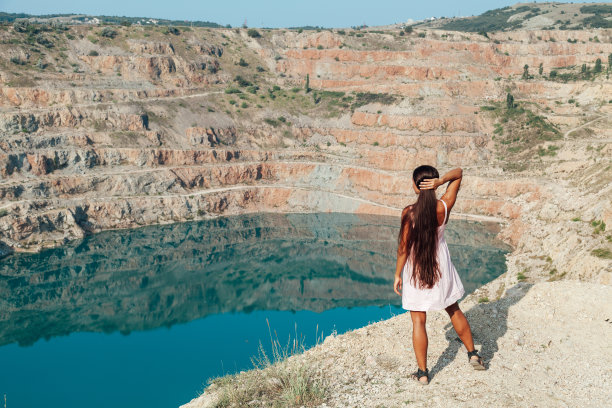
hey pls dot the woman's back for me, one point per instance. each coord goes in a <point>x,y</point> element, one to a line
<point>446,291</point>
<point>441,214</point>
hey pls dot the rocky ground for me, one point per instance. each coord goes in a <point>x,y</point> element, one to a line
<point>544,344</point>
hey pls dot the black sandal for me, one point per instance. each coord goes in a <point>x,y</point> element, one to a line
<point>419,374</point>
<point>476,363</point>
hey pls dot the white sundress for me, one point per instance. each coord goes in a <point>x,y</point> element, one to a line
<point>445,292</point>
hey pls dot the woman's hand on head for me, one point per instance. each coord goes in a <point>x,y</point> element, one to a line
<point>430,184</point>
<point>397,285</point>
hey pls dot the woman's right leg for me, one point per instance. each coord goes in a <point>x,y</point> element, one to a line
<point>461,325</point>
<point>419,338</point>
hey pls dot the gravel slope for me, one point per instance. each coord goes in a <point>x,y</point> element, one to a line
<point>545,344</point>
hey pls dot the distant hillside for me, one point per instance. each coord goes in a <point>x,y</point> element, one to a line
<point>538,16</point>
<point>86,19</point>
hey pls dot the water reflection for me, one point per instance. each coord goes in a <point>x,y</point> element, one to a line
<point>162,275</point>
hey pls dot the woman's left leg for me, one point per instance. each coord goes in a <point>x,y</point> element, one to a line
<point>461,325</point>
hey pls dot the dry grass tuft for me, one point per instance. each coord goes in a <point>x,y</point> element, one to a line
<point>276,380</point>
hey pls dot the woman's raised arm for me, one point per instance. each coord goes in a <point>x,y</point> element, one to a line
<point>452,177</point>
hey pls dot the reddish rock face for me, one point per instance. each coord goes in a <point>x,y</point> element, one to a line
<point>142,131</point>
<point>39,164</point>
<point>151,47</point>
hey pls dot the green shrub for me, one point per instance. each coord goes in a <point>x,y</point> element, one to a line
<point>242,82</point>
<point>253,33</point>
<point>17,61</point>
<point>93,53</point>
<point>21,26</point>
<point>272,122</point>
<point>364,98</point>
<point>332,94</point>
<point>597,68</point>
<point>602,253</point>
<point>243,63</point>
<point>45,42</point>
<point>232,91</point>
<point>3,212</point>
<point>550,151</point>
<point>510,101</point>
<point>599,226</point>
<point>108,32</point>
<point>483,299</point>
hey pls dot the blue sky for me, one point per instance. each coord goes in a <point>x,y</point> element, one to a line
<point>265,13</point>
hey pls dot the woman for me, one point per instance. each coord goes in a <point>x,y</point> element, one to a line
<point>424,272</point>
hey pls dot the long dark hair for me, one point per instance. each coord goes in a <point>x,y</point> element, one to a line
<point>422,243</point>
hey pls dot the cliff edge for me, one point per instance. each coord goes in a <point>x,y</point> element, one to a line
<point>544,344</point>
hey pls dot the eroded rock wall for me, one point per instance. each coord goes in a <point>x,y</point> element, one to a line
<point>157,128</point>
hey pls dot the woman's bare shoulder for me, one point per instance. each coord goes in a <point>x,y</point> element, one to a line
<point>406,210</point>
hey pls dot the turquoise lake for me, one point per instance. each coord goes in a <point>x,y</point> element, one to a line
<point>143,317</point>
